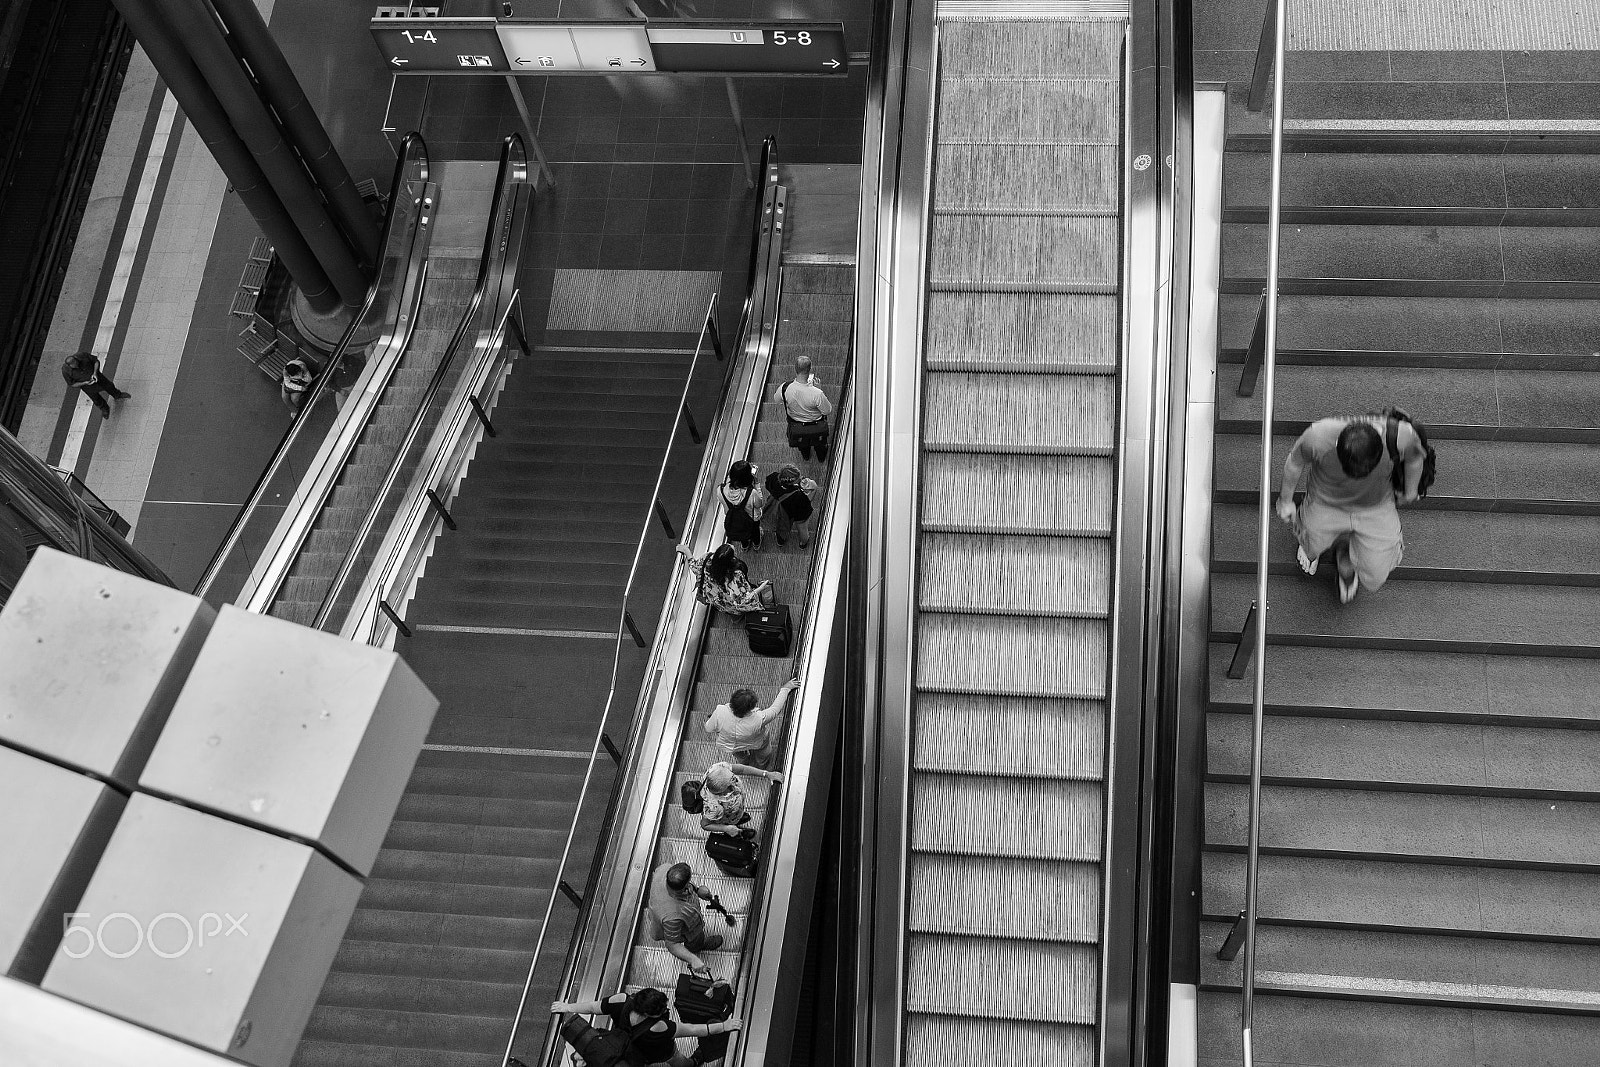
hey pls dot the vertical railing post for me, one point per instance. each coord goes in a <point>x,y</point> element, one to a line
<point>1265,51</point>
<point>1255,350</point>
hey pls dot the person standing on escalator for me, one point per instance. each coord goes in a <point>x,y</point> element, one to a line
<point>805,410</point>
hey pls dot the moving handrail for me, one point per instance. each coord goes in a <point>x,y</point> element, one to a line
<point>1263,530</point>
<point>401,250</point>
<point>682,615</point>
<point>625,626</point>
<point>500,258</point>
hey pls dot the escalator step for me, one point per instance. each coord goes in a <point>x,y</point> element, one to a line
<point>966,734</point>
<point>990,897</point>
<point>1010,111</point>
<point>1060,495</point>
<point>993,177</point>
<point>1026,332</point>
<point>1024,252</point>
<point>1012,655</point>
<point>985,1042</point>
<point>1027,818</point>
<point>995,49</point>
<point>1036,981</point>
<point>1019,413</point>
<point>1011,575</point>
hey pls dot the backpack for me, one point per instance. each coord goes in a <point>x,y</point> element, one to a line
<point>604,1048</point>
<point>736,856</point>
<point>738,524</point>
<point>689,797</point>
<point>791,496</point>
<point>1393,417</point>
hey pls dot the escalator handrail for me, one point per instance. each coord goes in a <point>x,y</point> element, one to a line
<point>611,692</point>
<point>491,266</point>
<point>410,166</point>
<point>680,607</point>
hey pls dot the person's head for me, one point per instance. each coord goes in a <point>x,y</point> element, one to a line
<point>296,367</point>
<point>678,876</point>
<point>802,366</point>
<point>720,777</point>
<point>722,564</point>
<point>1360,448</point>
<point>648,1002</point>
<point>81,359</point>
<point>743,702</point>
<point>789,476</point>
<point>740,475</point>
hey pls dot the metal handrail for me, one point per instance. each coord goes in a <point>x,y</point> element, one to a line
<point>513,168</point>
<point>1263,530</point>
<point>754,338</point>
<point>623,621</point>
<point>412,165</point>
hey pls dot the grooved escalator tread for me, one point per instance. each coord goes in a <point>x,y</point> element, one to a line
<point>1013,575</point>
<point>993,49</point>
<point>1025,252</point>
<point>969,734</point>
<point>1043,818</point>
<point>1019,413</point>
<point>932,1038</point>
<point>987,896</point>
<point>1064,333</point>
<point>1050,495</point>
<point>991,178</point>
<point>1011,655</point>
<point>1034,981</point>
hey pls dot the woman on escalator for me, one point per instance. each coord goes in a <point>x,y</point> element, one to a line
<point>722,581</point>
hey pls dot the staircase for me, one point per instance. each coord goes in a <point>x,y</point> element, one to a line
<point>1431,827</point>
<point>1017,512</point>
<point>818,301</point>
<point>451,281</point>
<point>505,622</point>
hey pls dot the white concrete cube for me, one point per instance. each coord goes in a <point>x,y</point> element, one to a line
<point>213,932</point>
<point>295,731</point>
<point>91,661</point>
<point>55,827</point>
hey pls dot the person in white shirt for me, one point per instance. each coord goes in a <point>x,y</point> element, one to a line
<point>743,734</point>
<point>806,409</point>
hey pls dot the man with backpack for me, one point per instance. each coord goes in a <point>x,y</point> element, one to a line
<point>642,1030</point>
<point>793,499</point>
<point>1357,469</point>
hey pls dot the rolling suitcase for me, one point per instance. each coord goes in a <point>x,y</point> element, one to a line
<point>770,632</point>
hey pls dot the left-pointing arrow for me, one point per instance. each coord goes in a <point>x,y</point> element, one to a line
<point>521,62</point>
<point>397,61</point>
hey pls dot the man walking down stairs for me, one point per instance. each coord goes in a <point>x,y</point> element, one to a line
<point>1430,816</point>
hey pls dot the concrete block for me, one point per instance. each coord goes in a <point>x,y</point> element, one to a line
<point>295,731</point>
<point>212,932</point>
<point>91,662</point>
<point>57,826</point>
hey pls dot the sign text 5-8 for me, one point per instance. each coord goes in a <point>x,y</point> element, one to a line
<point>780,37</point>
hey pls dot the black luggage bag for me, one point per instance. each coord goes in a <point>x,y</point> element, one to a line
<point>736,856</point>
<point>770,632</point>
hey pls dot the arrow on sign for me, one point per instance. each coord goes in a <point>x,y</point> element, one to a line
<point>523,62</point>
<point>397,61</point>
<point>642,62</point>
<point>834,63</point>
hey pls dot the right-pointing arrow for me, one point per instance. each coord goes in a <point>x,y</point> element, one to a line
<point>834,63</point>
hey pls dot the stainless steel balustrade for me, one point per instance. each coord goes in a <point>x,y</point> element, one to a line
<point>390,307</point>
<point>489,311</point>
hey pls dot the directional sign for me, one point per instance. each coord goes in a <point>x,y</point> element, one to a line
<point>766,48</point>
<point>432,45</point>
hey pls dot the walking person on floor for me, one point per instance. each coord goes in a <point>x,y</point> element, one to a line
<point>1350,497</point>
<point>806,409</point>
<point>82,370</point>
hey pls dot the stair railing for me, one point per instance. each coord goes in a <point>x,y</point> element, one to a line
<point>1263,532</point>
<point>627,629</point>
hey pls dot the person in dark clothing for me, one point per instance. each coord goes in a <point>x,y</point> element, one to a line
<point>82,371</point>
<point>657,1042</point>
